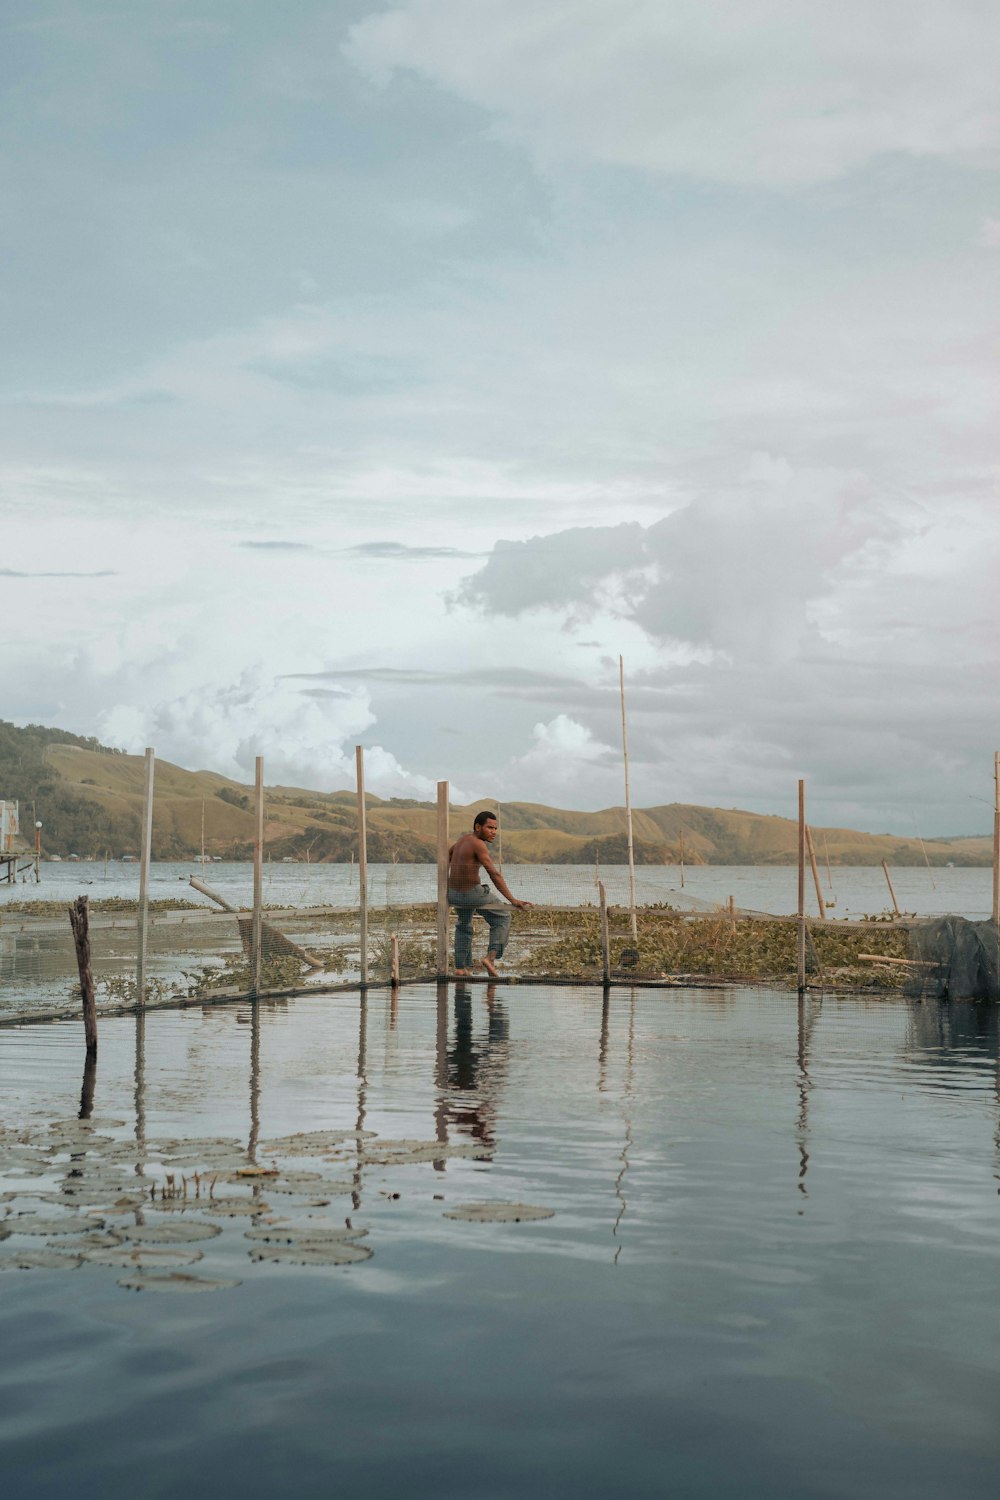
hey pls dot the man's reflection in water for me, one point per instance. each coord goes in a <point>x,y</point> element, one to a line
<point>471,1072</point>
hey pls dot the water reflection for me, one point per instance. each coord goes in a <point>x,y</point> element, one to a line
<point>470,1075</point>
<point>362,1075</point>
<point>808,1014</point>
<point>627,1102</point>
<point>254,1083</point>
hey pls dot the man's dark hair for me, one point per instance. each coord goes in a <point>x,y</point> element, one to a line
<point>484,817</point>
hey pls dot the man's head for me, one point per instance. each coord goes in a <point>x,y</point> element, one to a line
<point>485,825</point>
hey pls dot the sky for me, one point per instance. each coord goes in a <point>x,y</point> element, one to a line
<point>380,373</point>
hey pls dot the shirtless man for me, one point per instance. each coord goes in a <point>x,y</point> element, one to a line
<point>467,857</point>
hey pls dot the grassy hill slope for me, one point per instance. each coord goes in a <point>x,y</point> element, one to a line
<point>90,801</point>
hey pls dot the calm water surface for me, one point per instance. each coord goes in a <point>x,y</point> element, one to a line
<point>772,1268</point>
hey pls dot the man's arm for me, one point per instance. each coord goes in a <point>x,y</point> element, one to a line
<point>487,864</point>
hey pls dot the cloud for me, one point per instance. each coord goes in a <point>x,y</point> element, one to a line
<point>400,552</point>
<point>989,234</point>
<point>96,573</point>
<point>279,546</point>
<point>306,738</point>
<point>565,763</point>
<point>782,93</point>
<point>565,568</point>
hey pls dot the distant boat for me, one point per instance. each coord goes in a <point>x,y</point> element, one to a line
<point>54,859</point>
<point>74,857</point>
<point>130,859</point>
<point>203,859</point>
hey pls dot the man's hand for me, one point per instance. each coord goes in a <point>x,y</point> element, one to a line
<point>521,905</point>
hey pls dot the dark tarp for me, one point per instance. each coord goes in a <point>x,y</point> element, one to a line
<point>962,959</point>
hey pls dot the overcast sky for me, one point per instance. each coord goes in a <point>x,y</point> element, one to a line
<point>378,373</point>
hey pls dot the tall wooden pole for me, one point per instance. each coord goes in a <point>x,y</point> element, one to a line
<point>79,921</point>
<point>442,879</point>
<point>628,806</point>
<point>257,925</point>
<point>815,873</point>
<point>892,893</point>
<point>359,760</point>
<point>996,836</point>
<point>682,859</point>
<point>144,856</point>
<point>801,926</point>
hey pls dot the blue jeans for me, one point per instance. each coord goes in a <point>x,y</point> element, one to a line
<point>495,912</point>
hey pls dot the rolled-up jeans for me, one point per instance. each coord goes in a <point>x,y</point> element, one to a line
<point>495,912</point>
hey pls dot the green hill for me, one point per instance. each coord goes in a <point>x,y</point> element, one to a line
<point>89,799</point>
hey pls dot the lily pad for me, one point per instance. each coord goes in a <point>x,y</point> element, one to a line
<point>171,1231</point>
<point>35,1224</point>
<point>332,1253</point>
<point>141,1255</point>
<point>39,1260</point>
<point>176,1281</point>
<point>303,1233</point>
<point>235,1208</point>
<point>498,1213</point>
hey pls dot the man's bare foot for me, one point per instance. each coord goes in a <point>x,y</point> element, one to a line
<point>491,968</point>
<point>463,973</point>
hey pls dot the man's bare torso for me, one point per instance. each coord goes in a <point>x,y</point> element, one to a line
<point>468,855</point>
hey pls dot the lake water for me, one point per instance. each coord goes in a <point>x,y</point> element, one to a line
<point>856,890</point>
<point>771,1268</point>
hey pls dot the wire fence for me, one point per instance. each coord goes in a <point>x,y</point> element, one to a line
<point>353,924</point>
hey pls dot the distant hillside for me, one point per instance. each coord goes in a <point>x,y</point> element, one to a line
<point>89,799</point>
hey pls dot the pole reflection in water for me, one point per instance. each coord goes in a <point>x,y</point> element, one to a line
<point>89,1083</point>
<point>362,1096</point>
<point>140,1091</point>
<point>627,1117</point>
<point>468,1069</point>
<point>602,1051</point>
<point>254,1082</point>
<point>441,1073</point>
<point>806,1022</point>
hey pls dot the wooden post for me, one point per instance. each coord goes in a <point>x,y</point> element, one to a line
<point>628,807</point>
<point>892,893</point>
<point>815,873</point>
<point>801,929</point>
<point>996,835</point>
<point>38,852</point>
<point>257,927</point>
<point>144,857</point>
<point>394,961</point>
<point>499,841</point>
<point>442,879</point>
<point>79,920</point>
<point>359,761</point>
<point>605,938</point>
<point>682,859</point>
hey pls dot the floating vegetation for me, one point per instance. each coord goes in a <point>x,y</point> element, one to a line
<point>39,1260</point>
<point>315,1234</point>
<point>498,1213</point>
<point>406,1153</point>
<point>234,1208</point>
<point>176,1281</point>
<point>171,1232</point>
<point>33,1224</point>
<point>311,1253</point>
<point>312,1142</point>
<point>141,1255</point>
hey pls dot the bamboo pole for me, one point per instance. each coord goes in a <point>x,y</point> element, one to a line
<point>359,760</point>
<point>996,836</point>
<point>280,939</point>
<point>79,919</point>
<point>442,879</point>
<point>892,893</point>
<point>815,873</point>
<point>801,909</point>
<point>605,938</point>
<point>144,857</point>
<point>682,859</point>
<point>257,929</point>
<point>628,807</point>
